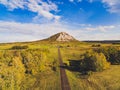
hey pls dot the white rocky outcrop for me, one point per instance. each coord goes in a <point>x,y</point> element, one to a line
<point>62,36</point>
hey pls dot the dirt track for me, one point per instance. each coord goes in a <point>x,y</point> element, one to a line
<point>64,80</point>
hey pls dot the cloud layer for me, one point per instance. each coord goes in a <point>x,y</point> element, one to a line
<point>12,31</point>
<point>43,9</point>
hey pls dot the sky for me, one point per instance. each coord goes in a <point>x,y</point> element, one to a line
<point>29,20</point>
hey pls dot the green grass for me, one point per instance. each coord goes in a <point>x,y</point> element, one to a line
<point>106,80</point>
<point>48,80</point>
<point>109,79</point>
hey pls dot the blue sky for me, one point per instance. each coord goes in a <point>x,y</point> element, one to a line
<point>27,20</point>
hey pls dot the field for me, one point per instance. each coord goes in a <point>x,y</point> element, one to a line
<point>41,70</point>
<point>106,80</point>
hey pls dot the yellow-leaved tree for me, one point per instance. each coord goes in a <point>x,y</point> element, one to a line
<point>95,62</point>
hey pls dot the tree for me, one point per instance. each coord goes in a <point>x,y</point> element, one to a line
<point>93,61</point>
<point>112,54</point>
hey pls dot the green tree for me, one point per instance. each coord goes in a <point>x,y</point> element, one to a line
<point>95,62</point>
<point>112,54</point>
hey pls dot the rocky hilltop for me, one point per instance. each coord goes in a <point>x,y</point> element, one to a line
<point>62,36</point>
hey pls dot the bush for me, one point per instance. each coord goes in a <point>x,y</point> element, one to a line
<point>93,61</point>
<point>68,45</point>
<point>96,45</point>
<point>19,47</point>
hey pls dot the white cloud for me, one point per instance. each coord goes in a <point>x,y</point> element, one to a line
<point>43,9</point>
<point>71,0</point>
<point>82,0</point>
<point>75,0</point>
<point>13,31</point>
<point>90,1</point>
<point>113,6</point>
<point>79,0</point>
<point>101,28</point>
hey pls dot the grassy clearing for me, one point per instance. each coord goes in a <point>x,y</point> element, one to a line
<point>106,80</point>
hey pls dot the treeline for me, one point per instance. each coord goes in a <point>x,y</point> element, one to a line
<point>112,54</point>
<point>100,59</point>
<point>96,60</point>
<point>15,65</point>
<point>105,41</point>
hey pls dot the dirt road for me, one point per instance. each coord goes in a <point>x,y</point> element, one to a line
<point>64,80</point>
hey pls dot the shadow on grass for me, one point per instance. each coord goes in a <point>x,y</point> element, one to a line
<point>76,66</point>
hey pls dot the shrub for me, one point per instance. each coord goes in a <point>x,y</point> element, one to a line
<point>19,47</point>
<point>93,61</point>
<point>68,45</point>
<point>96,45</point>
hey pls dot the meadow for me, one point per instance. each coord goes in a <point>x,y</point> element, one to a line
<point>37,67</point>
<point>108,79</point>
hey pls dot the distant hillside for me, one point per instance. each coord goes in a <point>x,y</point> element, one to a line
<point>105,41</point>
<point>62,36</point>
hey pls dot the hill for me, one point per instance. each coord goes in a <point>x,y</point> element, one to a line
<point>61,37</point>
